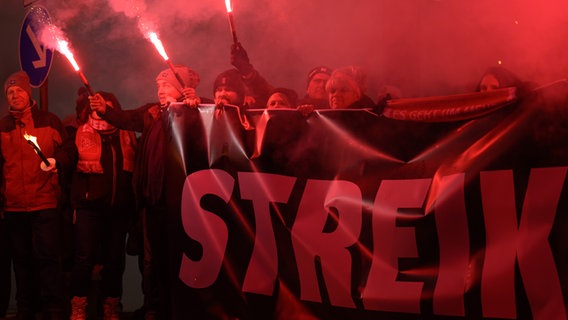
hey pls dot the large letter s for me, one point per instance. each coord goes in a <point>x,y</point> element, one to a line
<point>203,226</point>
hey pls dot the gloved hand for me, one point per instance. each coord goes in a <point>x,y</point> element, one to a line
<point>240,59</point>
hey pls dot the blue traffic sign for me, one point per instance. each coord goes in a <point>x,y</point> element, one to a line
<point>35,58</point>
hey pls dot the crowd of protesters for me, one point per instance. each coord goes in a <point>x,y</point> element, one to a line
<point>104,176</point>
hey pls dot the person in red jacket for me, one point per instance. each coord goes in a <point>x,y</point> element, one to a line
<point>31,193</point>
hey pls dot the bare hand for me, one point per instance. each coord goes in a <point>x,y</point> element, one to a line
<point>52,165</point>
<point>97,103</point>
<point>190,97</point>
<point>306,109</point>
<point>249,101</point>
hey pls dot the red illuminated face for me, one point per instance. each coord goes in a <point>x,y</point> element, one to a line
<point>167,92</point>
<point>316,87</point>
<point>341,95</point>
<point>488,83</point>
<point>18,98</point>
<point>278,101</point>
<point>225,95</point>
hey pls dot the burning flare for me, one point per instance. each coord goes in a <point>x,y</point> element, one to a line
<point>52,37</point>
<point>32,140</point>
<point>148,29</point>
<point>153,36</point>
<point>63,47</point>
<point>231,21</point>
<point>146,25</point>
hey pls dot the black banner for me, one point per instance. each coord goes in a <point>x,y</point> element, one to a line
<point>346,214</point>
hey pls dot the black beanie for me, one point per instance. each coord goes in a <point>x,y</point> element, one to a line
<point>231,79</point>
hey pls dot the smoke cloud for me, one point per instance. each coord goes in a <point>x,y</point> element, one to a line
<point>425,48</point>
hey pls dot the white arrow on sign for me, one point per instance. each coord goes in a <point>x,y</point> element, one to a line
<point>39,49</point>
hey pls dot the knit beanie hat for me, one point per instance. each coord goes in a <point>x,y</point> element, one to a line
<point>316,70</point>
<point>231,79</point>
<point>189,77</point>
<point>355,73</point>
<point>19,79</point>
<point>339,79</point>
<point>289,93</point>
<point>505,77</point>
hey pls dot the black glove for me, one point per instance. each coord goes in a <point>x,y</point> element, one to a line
<point>240,59</point>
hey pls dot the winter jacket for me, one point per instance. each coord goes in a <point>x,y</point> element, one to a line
<point>103,178</point>
<point>25,187</point>
<point>150,119</point>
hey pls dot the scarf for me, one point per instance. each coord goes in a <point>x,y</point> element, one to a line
<point>89,146</point>
<point>100,125</point>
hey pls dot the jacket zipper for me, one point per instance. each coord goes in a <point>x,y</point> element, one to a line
<point>113,172</point>
<point>23,144</point>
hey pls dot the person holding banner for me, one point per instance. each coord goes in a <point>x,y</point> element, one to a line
<point>316,96</point>
<point>282,98</point>
<point>229,88</point>
<point>148,178</point>
<point>346,89</point>
<point>497,77</point>
<point>32,198</point>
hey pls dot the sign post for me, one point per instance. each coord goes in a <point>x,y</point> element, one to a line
<point>35,58</point>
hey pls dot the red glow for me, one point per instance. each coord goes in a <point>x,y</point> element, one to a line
<point>53,37</point>
<point>153,36</point>
<point>63,47</point>
<point>231,21</point>
<point>31,138</point>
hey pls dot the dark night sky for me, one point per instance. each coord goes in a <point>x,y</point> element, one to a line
<point>424,47</point>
